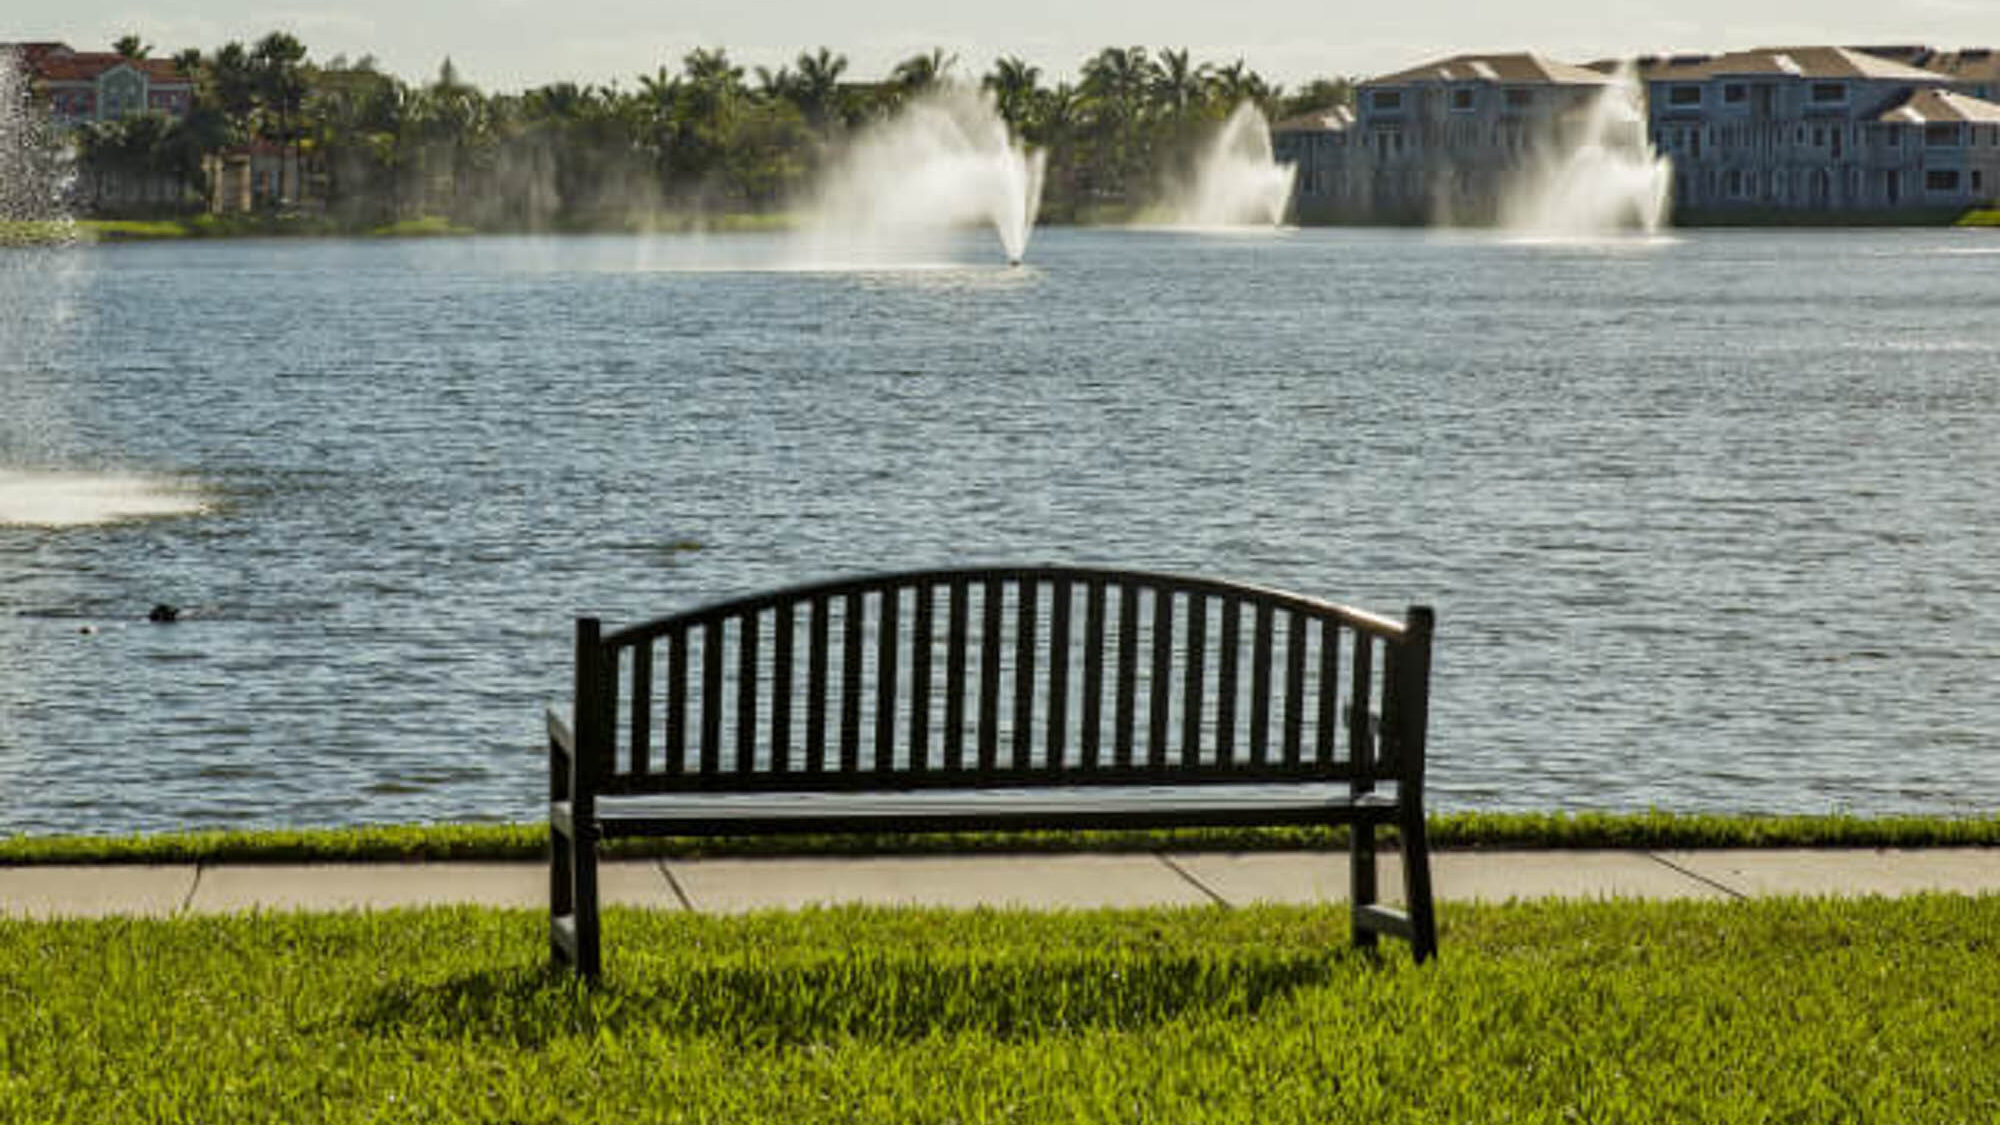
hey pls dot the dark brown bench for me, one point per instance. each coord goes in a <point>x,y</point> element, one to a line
<point>1003,698</point>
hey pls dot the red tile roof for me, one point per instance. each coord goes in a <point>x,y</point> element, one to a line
<point>55,62</point>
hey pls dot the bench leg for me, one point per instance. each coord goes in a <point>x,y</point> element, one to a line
<point>1417,885</point>
<point>1362,891</point>
<point>562,896</point>
<point>589,962</point>
<point>573,925</point>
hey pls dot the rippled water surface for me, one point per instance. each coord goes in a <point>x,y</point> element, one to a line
<point>1709,523</point>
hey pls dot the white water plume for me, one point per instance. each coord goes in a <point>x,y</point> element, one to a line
<point>77,499</point>
<point>35,166</point>
<point>945,161</point>
<point>1604,179</point>
<point>39,273</point>
<point>1237,181</point>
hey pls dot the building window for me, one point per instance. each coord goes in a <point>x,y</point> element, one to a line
<point>1461,99</point>
<point>1520,99</point>
<point>1735,183</point>
<point>1941,179</point>
<point>1684,95</point>
<point>1941,136</point>
<point>1735,92</point>
<point>1977,185</point>
<point>1388,99</point>
<point>1824,92</point>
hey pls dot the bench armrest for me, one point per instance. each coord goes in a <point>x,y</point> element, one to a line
<point>561,741</point>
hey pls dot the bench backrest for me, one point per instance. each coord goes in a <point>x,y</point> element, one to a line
<point>1018,676</point>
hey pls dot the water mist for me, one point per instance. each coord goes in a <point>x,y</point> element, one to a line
<point>945,161</point>
<point>1608,179</point>
<point>1237,181</point>
<point>39,277</point>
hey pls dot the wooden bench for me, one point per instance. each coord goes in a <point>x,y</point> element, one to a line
<point>1010,698</point>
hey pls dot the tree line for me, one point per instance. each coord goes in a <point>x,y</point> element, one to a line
<point>710,135</point>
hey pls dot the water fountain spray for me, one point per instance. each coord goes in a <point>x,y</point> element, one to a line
<point>1606,180</point>
<point>1237,181</point>
<point>945,161</point>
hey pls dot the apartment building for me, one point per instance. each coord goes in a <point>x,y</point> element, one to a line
<point>1820,131</point>
<point>1809,133</point>
<point>1316,145</point>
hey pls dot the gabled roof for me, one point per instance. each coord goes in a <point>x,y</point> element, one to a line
<point>1522,68</point>
<point>60,64</point>
<point>1926,107</point>
<point>1805,62</point>
<point>1974,64</point>
<point>1332,119</point>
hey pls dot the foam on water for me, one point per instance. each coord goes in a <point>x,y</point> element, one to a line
<point>31,498</point>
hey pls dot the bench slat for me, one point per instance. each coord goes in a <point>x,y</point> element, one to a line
<point>817,632</point>
<point>1128,672</point>
<point>1260,687</point>
<point>1295,687</point>
<point>1227,658</point>
<point>1092,730</point>
<point>989,677</point>
<point>711,697</point>
<point>677,689</point>
<point>962,803</point>
<point>642,709</point>
<point>920,677</point>
<point>1026,596</point>
<point>1058,717</point>
<point>831,781</point>
<point>954,680</point>
<point>1360,746</point>
<point>887,638</point>
<point>1329,688</point>
<point>749,629</point>
<point>781,689</point>
<point>1191,701</point>
<point>1158,712</point>
<point>850,683</point>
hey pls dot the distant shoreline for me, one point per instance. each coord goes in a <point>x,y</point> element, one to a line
<point>202,227</point>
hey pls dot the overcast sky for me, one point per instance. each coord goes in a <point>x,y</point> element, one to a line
<point>513,44</point>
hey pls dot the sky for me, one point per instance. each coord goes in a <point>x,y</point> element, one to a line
<point>515,44</point>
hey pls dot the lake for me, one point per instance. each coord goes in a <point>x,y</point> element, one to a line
<point>1709,521</point>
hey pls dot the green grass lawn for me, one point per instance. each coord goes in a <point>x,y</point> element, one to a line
<point>1448,830</point>
<point>1768,1011</point>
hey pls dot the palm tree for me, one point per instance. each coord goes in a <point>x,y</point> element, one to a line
<point>817,90</point>
<point>918,73</point>
<point>280,83</point>
<point>234,81</point>
<point>1237,83</point>
<point>1177,84</point>
<point>131,47</point>
<point>776,85</point>
<point>1012,82</point>
<point>1115,84</point>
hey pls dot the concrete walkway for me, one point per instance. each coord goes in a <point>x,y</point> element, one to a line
<point>726,886</point>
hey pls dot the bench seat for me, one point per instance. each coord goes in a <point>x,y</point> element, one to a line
<point>1078,807</point>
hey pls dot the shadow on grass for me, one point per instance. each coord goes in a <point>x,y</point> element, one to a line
<point>888,997</point>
